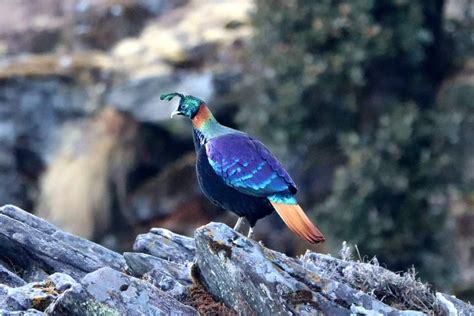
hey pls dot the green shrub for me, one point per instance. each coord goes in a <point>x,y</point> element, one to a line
<point>312,60</point>
<point>392,198</point>
<point>355,83</point>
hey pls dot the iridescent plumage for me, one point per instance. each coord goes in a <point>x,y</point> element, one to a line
<point>238,173</point>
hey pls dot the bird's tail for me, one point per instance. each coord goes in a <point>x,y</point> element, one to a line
<point>296,220</point>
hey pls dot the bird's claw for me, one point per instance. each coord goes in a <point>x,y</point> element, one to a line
<point>250,234</point>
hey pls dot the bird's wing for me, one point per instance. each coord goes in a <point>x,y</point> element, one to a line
<point>248,166</point>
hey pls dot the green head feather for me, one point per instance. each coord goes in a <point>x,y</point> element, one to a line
<point>188,105</point>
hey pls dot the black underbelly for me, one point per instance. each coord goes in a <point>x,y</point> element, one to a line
<point>226,197</point>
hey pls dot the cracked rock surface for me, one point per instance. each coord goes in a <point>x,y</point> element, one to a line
<point>46,271</point>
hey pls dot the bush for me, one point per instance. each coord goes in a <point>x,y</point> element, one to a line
<point>355,82</point>
<point>315,61</point>
<point>392,198</point>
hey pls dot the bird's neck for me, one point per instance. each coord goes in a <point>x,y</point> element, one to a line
<point>206,124</point>
<point>203,118</point>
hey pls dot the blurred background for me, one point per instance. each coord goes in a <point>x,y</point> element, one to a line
<point>369,104</point>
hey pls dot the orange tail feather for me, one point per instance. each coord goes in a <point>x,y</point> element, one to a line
<point>297,221</point>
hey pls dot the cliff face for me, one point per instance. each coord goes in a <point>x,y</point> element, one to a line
<point>45,270</point>
<point>79,95</point>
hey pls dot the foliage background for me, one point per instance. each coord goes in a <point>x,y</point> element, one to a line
<point>358,82</point>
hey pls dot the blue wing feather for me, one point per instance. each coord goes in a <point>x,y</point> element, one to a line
<point>248,166</point>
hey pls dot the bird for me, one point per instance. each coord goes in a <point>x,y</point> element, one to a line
<point>238,173</point>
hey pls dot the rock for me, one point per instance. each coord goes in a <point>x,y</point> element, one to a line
<point>165,244</point>
<point>28,136</point>
<point>235,270</point>
<point>45,248</point>
<point>140,263</point>
<point>340,292</point>
<point>249,277</point>
<point>9,278</point>
<point>166,283</point>
<point>62,282</point>
<point>33,272</point>
<point>92,24</point>
<point>33,248</point>
<point>28,219</point>
<point>107,291</point>
<point>30,312</point>
<point>141,96</point>
<point>103,23</point>
<point>51,252</point>
<point>450,305</point>
<point>373,279</point>
<point>30,296</point>
<point>202,25</point>
<point>39,30</point>
<point>106,256</point>
<point>218,272</point>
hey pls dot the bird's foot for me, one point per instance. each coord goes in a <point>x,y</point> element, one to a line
<point>250,234</point>
<point>238,225</point>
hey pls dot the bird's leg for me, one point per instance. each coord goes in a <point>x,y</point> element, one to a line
<point>238,225</point>
<point>250,235</point>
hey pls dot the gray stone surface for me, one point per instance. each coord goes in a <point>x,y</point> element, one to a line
<point>106,256</point>
<point>28,219</point>
<point>450,305</point>
<point>141,97</point>
<point>29,296</point>
<point>236,271</point>
<point>140,263</point>
<point>166,283</point>
<point>171,277</point>
<point>24,128</point>
<point>107,291</point>
<point>30,312</point>
<point>62,282</point>
<point>372,278</point>
<point>43,269</point>
<point>51,252</point>
<point>253,279</point>
<point>9,278</point>
<point>165,244</point>
<point>45,248</point>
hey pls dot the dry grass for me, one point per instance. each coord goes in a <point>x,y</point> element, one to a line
<point>402,290</point>
<point>399,290</point>
<point>200,299</point>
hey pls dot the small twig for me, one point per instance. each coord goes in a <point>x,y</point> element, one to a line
<point>358,253</point>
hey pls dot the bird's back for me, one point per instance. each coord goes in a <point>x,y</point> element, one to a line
<point>225,196</point>
<point>245,164</point>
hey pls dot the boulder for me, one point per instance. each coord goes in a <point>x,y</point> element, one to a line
<point>165,244</point>
<point>219,271</point>
<point>107,291</point>
<point>253,279</point>
<point>36,246</point>
<point>9,278</point>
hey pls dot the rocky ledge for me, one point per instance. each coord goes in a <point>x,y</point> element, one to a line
<point>44,270</point>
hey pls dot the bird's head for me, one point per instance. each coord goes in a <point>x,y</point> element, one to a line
<point>188,105</point>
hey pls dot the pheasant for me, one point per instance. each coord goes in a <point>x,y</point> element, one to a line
<point>238,173</point>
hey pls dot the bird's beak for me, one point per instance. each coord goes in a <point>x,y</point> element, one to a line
<point>174,113</point>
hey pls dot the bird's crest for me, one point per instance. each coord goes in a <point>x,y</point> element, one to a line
<point>170,96</point>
